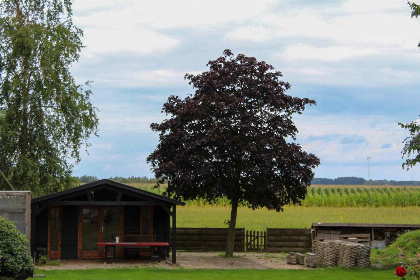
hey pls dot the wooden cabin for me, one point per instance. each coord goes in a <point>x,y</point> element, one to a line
<point>70,223</point>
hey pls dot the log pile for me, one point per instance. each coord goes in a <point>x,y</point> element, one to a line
<point>341,253</point>
<point>300,259</point>
<point>291,258</point>
<point>310,260</point>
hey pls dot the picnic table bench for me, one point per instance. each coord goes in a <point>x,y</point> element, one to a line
<point>113,245</point>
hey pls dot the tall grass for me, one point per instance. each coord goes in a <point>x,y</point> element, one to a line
<point>294,216</point>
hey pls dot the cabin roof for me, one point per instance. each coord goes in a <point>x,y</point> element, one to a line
<point>118,186</point>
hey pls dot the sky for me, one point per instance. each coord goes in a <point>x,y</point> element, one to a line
<point>358,60</point>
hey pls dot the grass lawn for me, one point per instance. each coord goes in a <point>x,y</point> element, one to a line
<point>169,274</point>
<point>294,216</point>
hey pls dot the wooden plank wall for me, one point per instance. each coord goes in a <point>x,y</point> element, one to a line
<point>288,240</point>
<point>207,239</point>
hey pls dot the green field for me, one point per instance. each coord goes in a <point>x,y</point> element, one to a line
<point>336,196</point>
<point>294,216</point>
<point>211,274</point>
<point>365,196</point>
<point>324,204</point>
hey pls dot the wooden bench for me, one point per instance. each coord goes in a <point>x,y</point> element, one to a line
<point>113,245</point>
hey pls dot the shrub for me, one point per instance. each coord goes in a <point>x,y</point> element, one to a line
<point>15,260</point>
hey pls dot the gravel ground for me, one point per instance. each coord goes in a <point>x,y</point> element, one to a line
<point>190,260</point>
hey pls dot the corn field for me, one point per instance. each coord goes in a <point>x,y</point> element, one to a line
<point>335,196</point>
<point>362,197</point>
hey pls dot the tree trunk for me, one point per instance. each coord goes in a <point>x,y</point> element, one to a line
<point>232,226</point>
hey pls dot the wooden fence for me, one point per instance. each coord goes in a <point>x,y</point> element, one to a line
<point>255,241</point>
<point>207,239</point>
<point>288,240</point>
<point>272,240</point>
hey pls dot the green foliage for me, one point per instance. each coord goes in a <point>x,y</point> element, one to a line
<point>15,260</point>
<point>56,262</point>
<point>406,248</point>
<point>411,144</point>
<point>42,260</point>
<point>45,116</point>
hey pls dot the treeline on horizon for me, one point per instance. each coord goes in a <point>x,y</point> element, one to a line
<point>315,181</point>
<point>132,179</point>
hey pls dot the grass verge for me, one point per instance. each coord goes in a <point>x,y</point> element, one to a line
<point>204,274</point>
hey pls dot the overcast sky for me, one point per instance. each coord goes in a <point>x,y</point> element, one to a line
<point>358,59</point>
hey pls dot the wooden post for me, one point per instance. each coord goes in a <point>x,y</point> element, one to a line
<point>174,234</point>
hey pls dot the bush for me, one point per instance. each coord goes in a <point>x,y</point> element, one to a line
<point>15,260</point>
<point>406,249</point>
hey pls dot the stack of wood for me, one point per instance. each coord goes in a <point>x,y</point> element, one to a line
<point>348,252</point>
<point>341,253</point>
<point>363,259</point>
<point>319,254</point>
<point>291,258</point>
<point>310,260</point>
<point>300,259</point>
<point>329,250</point>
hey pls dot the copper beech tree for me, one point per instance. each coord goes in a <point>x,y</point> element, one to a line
<point>233,138</point>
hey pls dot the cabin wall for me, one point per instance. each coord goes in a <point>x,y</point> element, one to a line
<point>40,239</point>
<point>132,220</point>
<point>69,232</point>
<point>160,224</point>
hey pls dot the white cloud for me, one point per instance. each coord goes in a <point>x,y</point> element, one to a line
<point>162,78</point>
<point>384,131</point>
<point>308,52</point>
<point>135,40</point>
<point>136,26</point>
<point>257,34</point>
<point>363,6</point>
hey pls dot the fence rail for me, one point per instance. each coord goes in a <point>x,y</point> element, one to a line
<point>288,240</point>
<point>272,240</point>
<point>255,241</point>
<point>207,239</point>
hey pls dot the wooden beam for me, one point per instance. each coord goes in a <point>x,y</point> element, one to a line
<point>89,196</point>
<point>167,210</point>
<point>105,203</point>
<point>174,234</point>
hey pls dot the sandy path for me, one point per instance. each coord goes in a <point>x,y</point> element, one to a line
<point>190,260</point>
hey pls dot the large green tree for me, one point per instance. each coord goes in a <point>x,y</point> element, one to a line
<point>234,138</point>
<point>45,116</point>
<point>412,142</point>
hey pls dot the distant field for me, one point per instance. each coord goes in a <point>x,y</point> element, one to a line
<point>361,186</point>
<point>338,196</point>
<point>294,216</point>
<point>200,214</point>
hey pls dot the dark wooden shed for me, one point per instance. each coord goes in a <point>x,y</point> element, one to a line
<point>376,235</point>
<point>68,224</point>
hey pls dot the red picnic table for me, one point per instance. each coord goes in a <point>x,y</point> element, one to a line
<point>113,245</point>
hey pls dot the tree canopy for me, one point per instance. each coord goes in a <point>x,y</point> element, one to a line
<point>411,148</point>
<point>412,142</point>
<point>234,138</point>
<point>45,116</point>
